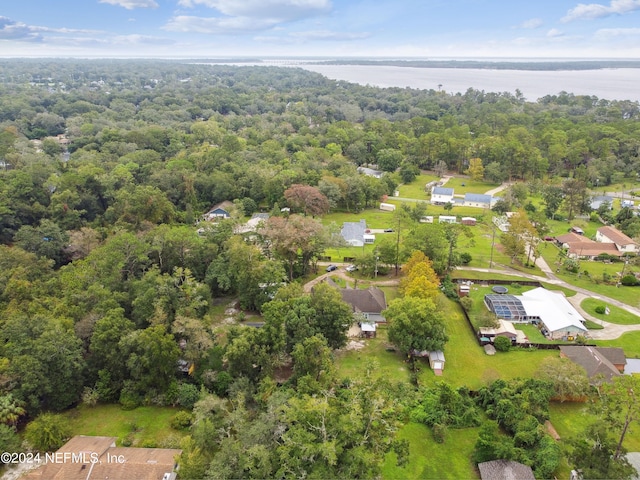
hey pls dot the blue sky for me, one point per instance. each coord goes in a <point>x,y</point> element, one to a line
<point>384,28</point>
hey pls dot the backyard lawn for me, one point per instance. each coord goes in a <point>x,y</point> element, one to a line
<point>462,185</point>
<point>431,460</point>
<point>629,342</point>
<point>142,427</point>
<point>416,189</point>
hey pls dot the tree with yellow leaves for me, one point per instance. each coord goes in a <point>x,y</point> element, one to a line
<point>421,280</point>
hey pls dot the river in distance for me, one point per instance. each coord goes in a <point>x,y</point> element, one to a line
<point>606,83</point>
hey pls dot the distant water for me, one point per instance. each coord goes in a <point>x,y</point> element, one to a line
<point>610,84</point>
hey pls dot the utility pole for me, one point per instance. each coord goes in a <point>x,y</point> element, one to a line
<point>493,238</point>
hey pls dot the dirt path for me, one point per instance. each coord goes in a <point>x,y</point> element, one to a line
<point>493,191</point>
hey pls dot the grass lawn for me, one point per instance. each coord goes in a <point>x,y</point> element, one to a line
<point>389,364</point>
<point>570,419</point>
<point>470,186</point>
<point>416,189</point>
<point>143,426</point>
<point>374,217</point>
<point>616,314</point>
<point>466,362</point>
<point>431,460</point>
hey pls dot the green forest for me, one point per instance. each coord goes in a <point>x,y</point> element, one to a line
<point>114,285</point>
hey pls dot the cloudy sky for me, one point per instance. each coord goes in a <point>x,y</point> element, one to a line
<point>385,28</point>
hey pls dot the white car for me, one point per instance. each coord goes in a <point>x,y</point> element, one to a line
<point>351,268</point>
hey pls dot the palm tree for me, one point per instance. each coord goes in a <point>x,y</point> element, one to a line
<point>10,410</point>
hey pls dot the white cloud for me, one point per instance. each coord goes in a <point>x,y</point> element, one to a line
<point>131,4</point>
<point>219,25</point>
<point>531,23</point>
<point>595,10</point>
<point>136,39</point>
<point>554,33</point>
<point>605,33</point>
<point>12,30</point>
<point>330,35</point>
<point>259,8</point>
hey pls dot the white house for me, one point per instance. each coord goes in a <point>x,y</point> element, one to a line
<point>623,243</point>
<point>478,200</point>
<point>441,195</point>
<point>557,317</point>
<point>354,233</point>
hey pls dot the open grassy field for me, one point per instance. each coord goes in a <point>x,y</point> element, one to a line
<point>416,189</point>
<point>462,185</point>
<point>616,314</point>
<point>142,427</point>
<point>428,459</point>
<point>374,217</point>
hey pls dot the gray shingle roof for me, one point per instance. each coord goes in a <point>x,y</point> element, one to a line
<point>353,230</point>
<point>505,470</point>
<point>592,359</point>
<point>371,300</point>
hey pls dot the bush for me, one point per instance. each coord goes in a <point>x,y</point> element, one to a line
<point>629,281</point>
<point>47,432</point>
<point>465,258</point>
<point>129,398</point>
<point>181,420</point>
<point>502,344</point>
<point>601,309</point>
<point>466,303</point>
<point>439,433</point>
<point>188,395</point>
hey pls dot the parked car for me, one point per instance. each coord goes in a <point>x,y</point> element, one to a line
<point>351,268</point>
<point>331,268</point>
<point>388,230</point>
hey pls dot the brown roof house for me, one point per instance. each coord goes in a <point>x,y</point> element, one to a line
<point>505,470</point>
<point>579,246</point>
<point>85,457</point>
<point>370,302</point>
<point>623,243</point>
<point>599,362</point>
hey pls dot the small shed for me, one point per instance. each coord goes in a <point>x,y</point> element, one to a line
<point>368,329</point>
<point>463,290</point>
<point>471,221</point>
<point>387,207</point>
<point>436,361</point>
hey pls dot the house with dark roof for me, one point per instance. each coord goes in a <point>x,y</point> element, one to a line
<point>84,457</point>
<point>505,470</point>
<point>441,195</point>
<point>370,302</point>
<point>597,361</point>
<point>478,200</point>
<point>611,235</point>
<point>221,210</point>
